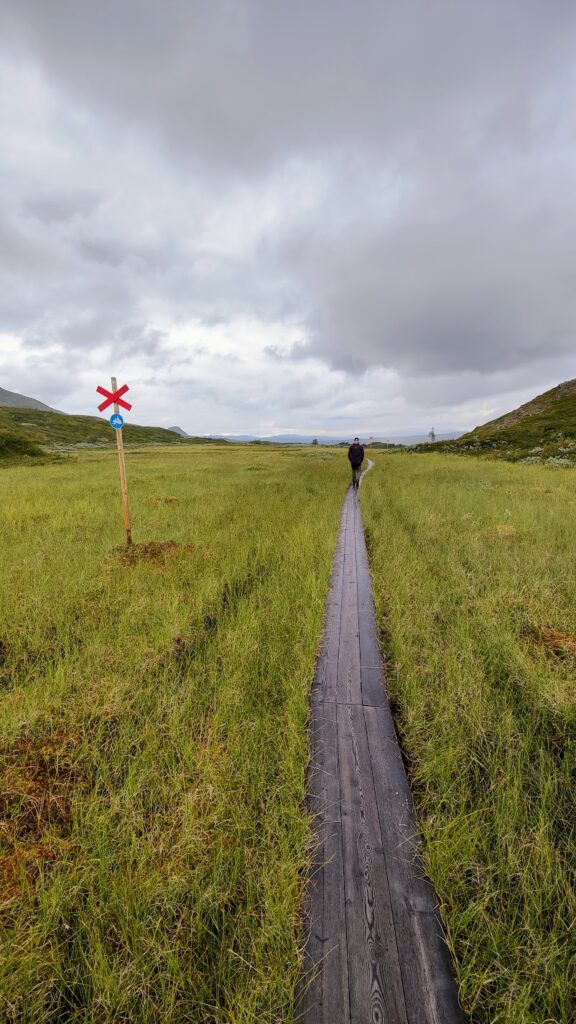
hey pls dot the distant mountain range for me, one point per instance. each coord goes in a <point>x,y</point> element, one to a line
<point>407,439</point>
<point>13,400</point>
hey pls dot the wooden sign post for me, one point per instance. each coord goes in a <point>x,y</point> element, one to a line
<point>115,397</point>
<point>122,464</point>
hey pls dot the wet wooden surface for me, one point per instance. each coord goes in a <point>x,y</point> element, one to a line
<point>374,945</point>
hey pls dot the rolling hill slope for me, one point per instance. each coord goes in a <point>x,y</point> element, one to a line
<point>540,419</point>
<point>543,429</point>
<point>11,399</point>
<point>56,431</point>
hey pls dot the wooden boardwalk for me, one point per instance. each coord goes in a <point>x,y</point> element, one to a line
<point>374,948</point>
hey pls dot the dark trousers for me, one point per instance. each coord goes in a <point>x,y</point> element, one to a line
<point>355,476</point>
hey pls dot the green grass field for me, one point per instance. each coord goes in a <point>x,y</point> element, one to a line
<point>154,705</point>
<point>473,567</point>
<point>153,729</point>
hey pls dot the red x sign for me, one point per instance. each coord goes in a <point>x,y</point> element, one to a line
<point>113,397</point>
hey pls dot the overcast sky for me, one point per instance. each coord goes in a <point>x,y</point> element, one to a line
<point>324,216</point>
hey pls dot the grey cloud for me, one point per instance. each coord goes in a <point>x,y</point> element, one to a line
<point>239,84</point>
<point>109,330</point>
<point>451,388</point>
<point>442,241</point>
<point>87,331</point>
<point>278,354</point>
<point>63,207</point>
<point>145,257</point>
<point>140,339</point>
<point>479,287</point>
<point>109,253</point>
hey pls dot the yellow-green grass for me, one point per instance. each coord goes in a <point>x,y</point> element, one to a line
<point>474,572</point>
<point>153,716</point>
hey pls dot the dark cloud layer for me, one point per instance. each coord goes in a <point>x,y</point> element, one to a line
<point>419,161</point>
<point>58,208</point>
<point>241,82</point>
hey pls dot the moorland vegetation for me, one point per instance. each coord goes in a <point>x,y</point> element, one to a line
<point>153,747</point>
<point>473,574</point>
<point>153,723</point>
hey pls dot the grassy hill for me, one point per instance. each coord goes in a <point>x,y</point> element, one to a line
<point>543,429</point>
<point>52,431</point>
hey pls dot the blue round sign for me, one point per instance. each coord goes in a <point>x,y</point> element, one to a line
<point>117,421</point>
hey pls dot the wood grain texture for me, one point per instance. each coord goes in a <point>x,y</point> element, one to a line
<point>309,995</point>
<point>349,680</point>
<point>335,998</point>
<point>424,957</point>
<point>374,971</point>
<point>374,950</point>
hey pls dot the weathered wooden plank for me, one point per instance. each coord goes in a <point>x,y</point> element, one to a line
<point>348,683</point>
<point>326,674</point>
<point>443,1004</point>
<point>309,996</point>
<point>323,994</point>
<point>371,654</point>
<point>373,965</point>
<point>331,632</point>
<point>335,999</point>
<point>428,982</point>
<point>371,663</point>
<point>369,643</point>
<point>373,694</point>
<point>325,680</point>
<point>396,813</point>
<point>374,946</point>
<point>349,687</point>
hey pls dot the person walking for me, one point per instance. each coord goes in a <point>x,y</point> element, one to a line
<point>356,457</point>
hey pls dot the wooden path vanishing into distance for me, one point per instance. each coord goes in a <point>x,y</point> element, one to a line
<point>374,946</point>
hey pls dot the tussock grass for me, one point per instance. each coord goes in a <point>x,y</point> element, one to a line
<point>475,587</point>
<point>153,732</point>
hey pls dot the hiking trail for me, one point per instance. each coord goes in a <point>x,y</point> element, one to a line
<point>375,951</point>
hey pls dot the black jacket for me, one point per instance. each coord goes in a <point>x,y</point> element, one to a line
<point>356,455</point>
